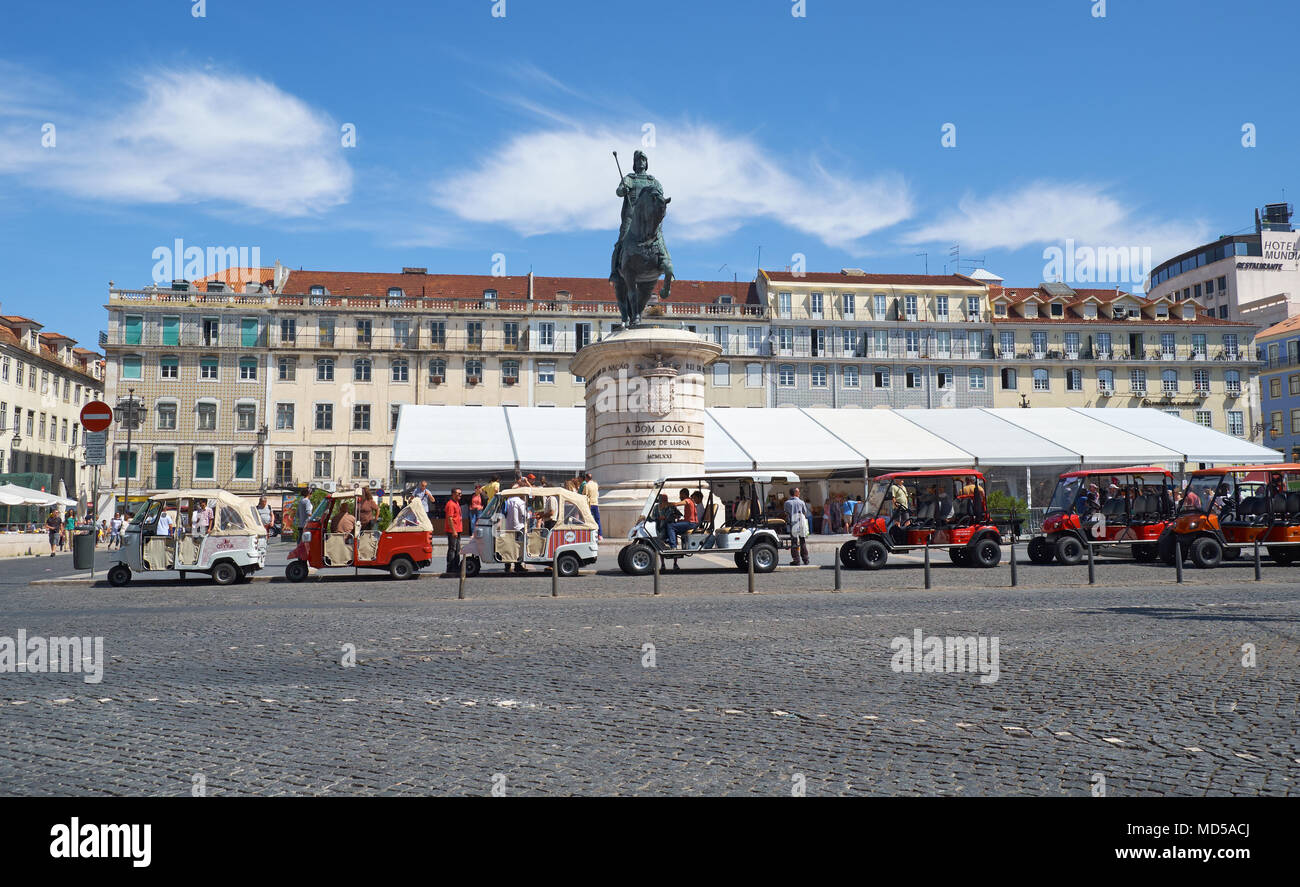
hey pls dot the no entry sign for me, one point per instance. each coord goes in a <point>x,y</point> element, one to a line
<point>96,416</point>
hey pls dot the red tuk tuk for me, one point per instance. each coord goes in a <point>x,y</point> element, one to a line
<point>333,539</point>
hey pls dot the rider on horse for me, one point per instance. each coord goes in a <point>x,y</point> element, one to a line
<point>630,189</point>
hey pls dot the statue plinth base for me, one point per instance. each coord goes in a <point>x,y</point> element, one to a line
<point>645,414</point>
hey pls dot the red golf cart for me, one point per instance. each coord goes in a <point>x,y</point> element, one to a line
<point>1117,511</point>
<point>944,508</point>
<point>333,539</point>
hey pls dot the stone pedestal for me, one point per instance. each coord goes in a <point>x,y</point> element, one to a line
<point>645,414</point>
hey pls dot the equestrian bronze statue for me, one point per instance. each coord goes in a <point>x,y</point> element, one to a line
<point>640,256</point>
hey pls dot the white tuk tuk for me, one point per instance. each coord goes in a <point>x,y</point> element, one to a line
<point>559,532</point>
<point>192,531</point>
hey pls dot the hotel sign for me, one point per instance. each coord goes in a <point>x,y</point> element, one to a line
<point>1280,247</point>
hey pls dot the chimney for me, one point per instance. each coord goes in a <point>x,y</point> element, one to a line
<point>530,284</point>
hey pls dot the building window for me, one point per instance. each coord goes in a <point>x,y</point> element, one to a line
<point>1201,381</point>
<point>1041,380</point>
<point>248,332</point>
<point>322,464</point>
<point>1203,418</point>
<point>1073,380</point>
<point>783,304</point>
<point>288,369</point>
<point>361,417</point>
<point>401,369</point>
<point>819,376</point>
<point>243,465</point>
<point>248,369</point>
<point>1275,387</point>
<point>324,369</point>
<point>785,376</point>
<point>361,369</point>
<point>941,308</point>
<point>131,368</point>
<point>365,332</point>
<point>909,307</point>
<point>1275,424</point>
<point>847,302</point>
<point>722,374</point>
<point>474,333</point>
<point>912,378</point>
<point>546,335</point>
<point>127,463</point>
<point>1232,382</point>
<point>753,375</point>
<point>284,416</point>
<point>208,368</point>
<point>246,417</point>
<point>284,468</point>
<point>473,372</point>
<point>133,329</point>
<point>1236,423</point>
<point>168,368</point>
<point>402,333</point>
<point>324,417</point>
<point>510,334</point>
<point>1009,380</point>
<point>509,372</point>
<point>360,464</point>
<point>288,330</point>
<point>325,332</point>
<point>166,415</point>
<point>1169,382</point>
<point>394,412</point>
<point>437,371</point>
<point>1138,381</point>
<point>1293,384</point>
<point>785,340</point>
<point>546,372</point>
<point>205,416</point>
<point>1295,421</point>
<point>849,377</point>
<point>973,308</point>
<point>438,333</point>
<point>943,378</point>
<point>976,379</point>
<point>880,377</point>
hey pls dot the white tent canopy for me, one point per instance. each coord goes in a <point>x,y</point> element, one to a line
<point>475,440</point>
<point>1195,443</point>
<point>31,497</point>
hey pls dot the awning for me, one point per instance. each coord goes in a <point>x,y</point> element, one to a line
<point>990,439</point>
<point>721,452</point>
<point>477,440</point>
<point>887,440</point>
<point>784,438</point>
<point>1095,442</point>
<point>1195,443</point>
<point>32,497</point>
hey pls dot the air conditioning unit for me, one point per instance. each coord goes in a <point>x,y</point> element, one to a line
<point>1105,390</point>
<point>328,486</point>
<point>375,484</point>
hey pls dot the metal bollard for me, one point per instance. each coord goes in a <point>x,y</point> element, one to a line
<point>1092,570</point>
<point>1013,562</point>
<point>656,557</point>
<point>555,580</point>
<point>1178,559</point>
<point>1259,573</point>
<point>927,562</point>
<point>460,593</point>
<point>839,579</point>
<point>749,567</point>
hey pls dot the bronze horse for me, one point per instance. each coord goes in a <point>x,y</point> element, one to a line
<point>642,257</point>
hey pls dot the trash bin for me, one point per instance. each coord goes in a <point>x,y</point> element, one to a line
<point>83,550</point>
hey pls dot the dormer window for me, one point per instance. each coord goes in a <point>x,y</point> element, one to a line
<point>1162,312</point>
<point>1090,311</point>
<point>724,300</point>
<point>1000,309</point>
<point>317,290</point>
<point>216,286</point>
<point>1189,312</point>
<point>395,292</point>
<point>489,294</point>
<point>1031,309</point>
<point>1058,310</point>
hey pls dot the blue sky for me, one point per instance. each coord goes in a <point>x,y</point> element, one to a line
<point>817,135</point>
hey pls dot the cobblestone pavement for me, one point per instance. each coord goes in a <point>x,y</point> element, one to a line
<point>1137,679</point>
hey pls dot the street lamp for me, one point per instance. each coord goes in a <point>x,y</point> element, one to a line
<point>130,412</point>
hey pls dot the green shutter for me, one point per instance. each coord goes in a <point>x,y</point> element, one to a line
<point>203,464</point>
<point>134,329</point>
<point>248,332</point>
<point>126,463</point>
<point>171,331</point>
<point>244,466</point>
<point>131,367</point>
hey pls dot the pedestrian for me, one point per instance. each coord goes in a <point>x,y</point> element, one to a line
<point>103,532</point>
<point>54,526</point>
<point>491,488</point>
<point>849,506</point>
<point>515,531</point>
<point>115,531</point>
<point>203,518</point>
<point>591,490</point>
<point>367,510</point>
<point>453,526</point>
<point>797,518</point>
<point>164,526</point>
<point>264,515</point>
<point>302,514</point>
<point>475,508</point>
<point>70,524</point>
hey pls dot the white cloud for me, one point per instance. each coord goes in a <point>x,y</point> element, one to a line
<point>564,180</point>
<point>1049,213</point>
<point>189,137</point>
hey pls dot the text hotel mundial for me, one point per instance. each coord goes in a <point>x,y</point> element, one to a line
<point>53,655</point>
<point>91,841</point>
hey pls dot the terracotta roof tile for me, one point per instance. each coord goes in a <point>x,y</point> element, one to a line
<point>831,277</point>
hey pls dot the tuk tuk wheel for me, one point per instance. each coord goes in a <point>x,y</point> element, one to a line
<point>225,573</point>
<point>849,554</point>
<point>296,571</point>
<point>119,575</point>
<point>622,559</point>
<point>567,564</point>
<point>1069,550</point>
<point>640,560</point>
<point>1040,550</point>
<point>1144,553</point>
<point>1206,552</point>
<point>872,554</point>
<point>986,553</point>
<point>1282,556</point>
<point>765,557</point>
<point>472,566</point>
<point>402,568</point>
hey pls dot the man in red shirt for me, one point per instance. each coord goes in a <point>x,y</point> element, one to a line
<point>453,526</point>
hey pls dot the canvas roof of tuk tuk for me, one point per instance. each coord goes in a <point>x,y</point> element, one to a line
<point>578,500</point>
<point>422,525</point>
<point>249,523</point>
